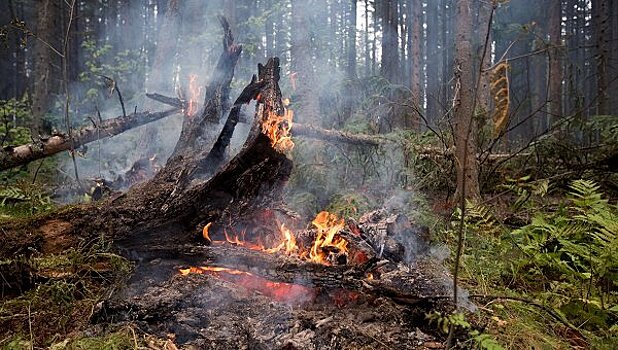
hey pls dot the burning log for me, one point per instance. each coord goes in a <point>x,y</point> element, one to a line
<point>11,157</point>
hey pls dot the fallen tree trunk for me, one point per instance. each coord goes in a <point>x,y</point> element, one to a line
<point>11,157</point>
<point>300,130</point>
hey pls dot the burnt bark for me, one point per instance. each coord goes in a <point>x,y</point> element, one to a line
<point>168,209</point>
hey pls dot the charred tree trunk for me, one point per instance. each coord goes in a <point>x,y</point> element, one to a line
<point>167,209</point>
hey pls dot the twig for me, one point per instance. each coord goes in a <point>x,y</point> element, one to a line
<point>531,302</point>
<point>115,87</point>
<point>30,328</point>
<point>37,171</point>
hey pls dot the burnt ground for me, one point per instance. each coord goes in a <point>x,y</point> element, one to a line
<point>205,312</point>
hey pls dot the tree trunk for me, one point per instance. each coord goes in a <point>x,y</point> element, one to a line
<point>484,97</point>
<point>600,9</point>
<point>433,63</point>
<point>390,60</point>
<point>302,67</point>
<point>613,86</point>
<point>15,156</point>
<point>351,42</point>
<point>415,33</point>
<point>555,63</point>
<point>44,60</point>
<point>465,125</point>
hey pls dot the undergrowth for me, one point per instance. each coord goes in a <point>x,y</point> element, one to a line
<point>61,293</point>
<point>551,282</point>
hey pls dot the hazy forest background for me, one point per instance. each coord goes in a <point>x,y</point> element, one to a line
<point>496,123</point>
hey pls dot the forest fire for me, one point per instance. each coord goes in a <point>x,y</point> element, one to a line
<point>277,128</point>
<point>195,91</point>
<point>325,248</point>
<point>288,293</point>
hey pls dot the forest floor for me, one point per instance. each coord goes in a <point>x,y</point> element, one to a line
<point>66,303</point>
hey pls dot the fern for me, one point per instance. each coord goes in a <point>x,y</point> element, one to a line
<point>577,245</point>
<point>12,193</point>
<point>478,218</point>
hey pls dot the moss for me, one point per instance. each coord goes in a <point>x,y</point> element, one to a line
<point>67,287</point>
<point>349,205</point>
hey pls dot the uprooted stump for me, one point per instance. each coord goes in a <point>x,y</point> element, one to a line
<point>220,296</point>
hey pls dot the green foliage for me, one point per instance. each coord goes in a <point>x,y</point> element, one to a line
<point>574,249</point>
<point>349,205</point>
<point>525,189</point>
<point>102,61</point>
<point>458,321</point>
<point>478,218</point>
<point>22,198</point>
<point>68,287</point>
<point>15,116</point>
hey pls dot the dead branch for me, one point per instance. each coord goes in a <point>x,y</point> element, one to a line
<point>11,157</point>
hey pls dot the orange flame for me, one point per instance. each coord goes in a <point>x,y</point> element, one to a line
<point>327,241</point>
<point>328,226</point>
<point>205,232</point>
<point>194,93</point>
<point>277,128</point>
<point>279,291</point>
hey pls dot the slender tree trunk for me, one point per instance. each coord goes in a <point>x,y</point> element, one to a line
<point>390,44</point>
<point>351,41</point>
<point>269,27</point>
<point>433,63</point>
<point>374,59</point>
<point>600,9</point>
<point>465,125</point>
<point>555,63</point>
<point>366,37</point>
<point>484,98</point>
<point>416,19</point>
<point>44,57</point>
<point>281,39</point>
<point>301,60</point>
<point>613,86</point>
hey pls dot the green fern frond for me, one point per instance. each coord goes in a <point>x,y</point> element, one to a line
<point>12,193</point>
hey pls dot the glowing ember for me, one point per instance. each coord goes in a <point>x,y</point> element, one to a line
<point>277,128</point>
<point>194,93</point>
<point>205,232</point>
<point>327,243</point>
<point>282,292</point>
